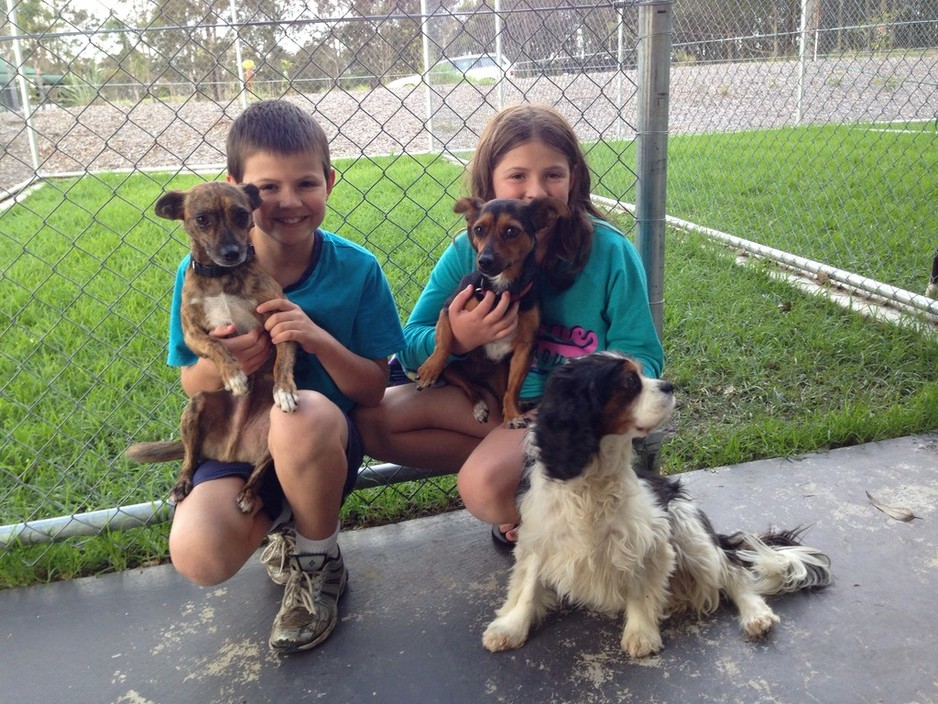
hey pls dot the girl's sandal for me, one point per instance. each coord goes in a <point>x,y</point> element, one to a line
<point>507,538</point>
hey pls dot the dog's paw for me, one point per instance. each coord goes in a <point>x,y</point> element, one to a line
<point>758,625</point>
<point>641,644</point>
<point>499,636</point>
<point>517,422</point>
<point>480,411</point>
<point>286,400</point>
<point>237,384</point>
<point>425,381</point>
<point>245,500</point>
<point>428,373</point>
<point>180,490</point>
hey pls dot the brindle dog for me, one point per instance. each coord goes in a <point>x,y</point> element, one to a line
<point>223,285</point>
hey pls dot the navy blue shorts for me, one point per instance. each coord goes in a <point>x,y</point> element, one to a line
<point>270,492</point>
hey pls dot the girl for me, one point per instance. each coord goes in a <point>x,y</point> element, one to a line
<point>593,297</point>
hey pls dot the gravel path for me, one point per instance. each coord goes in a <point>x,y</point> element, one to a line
<point>712,98</point>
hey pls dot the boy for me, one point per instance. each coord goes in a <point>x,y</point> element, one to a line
<point>339,309</point>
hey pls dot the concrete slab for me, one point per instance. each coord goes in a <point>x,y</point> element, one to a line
<point>421,593</point>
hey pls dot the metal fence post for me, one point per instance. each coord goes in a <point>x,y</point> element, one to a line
<point>24,89</point>
<point>654,74</point>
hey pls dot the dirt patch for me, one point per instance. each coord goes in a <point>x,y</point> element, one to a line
<point>190,134</point>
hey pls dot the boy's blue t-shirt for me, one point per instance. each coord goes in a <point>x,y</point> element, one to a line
<point>606,308</point>
<point>344,292</point>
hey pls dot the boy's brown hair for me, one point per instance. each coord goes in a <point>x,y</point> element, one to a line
<point>514,126</point>
<point>274,127</point>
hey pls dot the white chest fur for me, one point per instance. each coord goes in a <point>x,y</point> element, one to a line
<point>498,350</point>
<point>224,309</point>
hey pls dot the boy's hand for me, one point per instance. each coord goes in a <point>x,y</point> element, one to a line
<point>492,319</point>
<point>251,349</point>
<point>287,321</point>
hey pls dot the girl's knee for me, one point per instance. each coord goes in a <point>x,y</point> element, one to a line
<point>373,427</point>
<point>478,487</point>
<point>488,483</point>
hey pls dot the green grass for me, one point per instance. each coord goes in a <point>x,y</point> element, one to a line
<point>762,371</point>
<point>849,196</point>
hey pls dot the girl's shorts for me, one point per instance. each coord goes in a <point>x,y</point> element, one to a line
<point>270,492</point>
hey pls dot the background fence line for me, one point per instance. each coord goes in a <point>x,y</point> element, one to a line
<point>106,109</point>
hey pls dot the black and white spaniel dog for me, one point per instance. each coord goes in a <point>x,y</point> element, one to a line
<point>595,533</point>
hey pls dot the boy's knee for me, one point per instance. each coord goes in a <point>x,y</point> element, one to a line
<point>206,570</point>
<point>315,414</point>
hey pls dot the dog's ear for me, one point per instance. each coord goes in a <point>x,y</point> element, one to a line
<point>469,207</point>
<point>253,193</point>
<point>569,420</point>
<point>171,205</point>
<point>544,212</point>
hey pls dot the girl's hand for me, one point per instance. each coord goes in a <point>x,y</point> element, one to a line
<point>288,322</point>
<point>492,319</point>
<point>250,349</point>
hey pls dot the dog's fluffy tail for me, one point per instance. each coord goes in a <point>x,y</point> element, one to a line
<point>779,562</point>
<point>146,452</point>
<point>932,290</point>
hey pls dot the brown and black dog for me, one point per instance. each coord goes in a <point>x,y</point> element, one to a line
<point>504,234</point>
<point>223,285</point>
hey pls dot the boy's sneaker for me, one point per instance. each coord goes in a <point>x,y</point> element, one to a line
<point>310,604</point>
<point>276,554</point>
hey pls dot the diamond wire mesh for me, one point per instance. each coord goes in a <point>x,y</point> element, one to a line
<point>828,122</point>
<point>147,91</point>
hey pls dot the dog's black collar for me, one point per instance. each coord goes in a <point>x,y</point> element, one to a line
<point>214,270</point>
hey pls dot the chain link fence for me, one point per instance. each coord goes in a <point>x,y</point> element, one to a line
<point>786,116</point>
<point>104,107</point>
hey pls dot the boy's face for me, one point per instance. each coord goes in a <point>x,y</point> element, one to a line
<point>294,191</point>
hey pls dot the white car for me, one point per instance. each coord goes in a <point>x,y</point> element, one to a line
<point>476,68</point>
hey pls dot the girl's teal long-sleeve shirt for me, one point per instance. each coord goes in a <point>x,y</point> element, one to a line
<point>606,308</point>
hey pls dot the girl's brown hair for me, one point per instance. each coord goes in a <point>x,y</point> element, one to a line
<point>510,128</point>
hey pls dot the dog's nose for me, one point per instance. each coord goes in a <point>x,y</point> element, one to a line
<point>487,263</point>
<point>666,387</point>
<point>230,253</point>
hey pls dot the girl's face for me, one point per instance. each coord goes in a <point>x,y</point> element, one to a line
<point>530,170</point>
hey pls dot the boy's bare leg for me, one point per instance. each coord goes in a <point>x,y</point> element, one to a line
<point>210,539</point>
<point>309,452</point>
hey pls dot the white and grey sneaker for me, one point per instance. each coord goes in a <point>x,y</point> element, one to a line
<point>310,606</point>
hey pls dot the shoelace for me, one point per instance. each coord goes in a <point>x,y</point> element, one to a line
<point>278,549</point>
<point>301,592</point>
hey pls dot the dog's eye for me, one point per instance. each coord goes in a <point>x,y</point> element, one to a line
<point>511,233</point>
<point>203,221</point>
<point>632,383</point>
<point>240,218</point>
<point>478,231</point>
